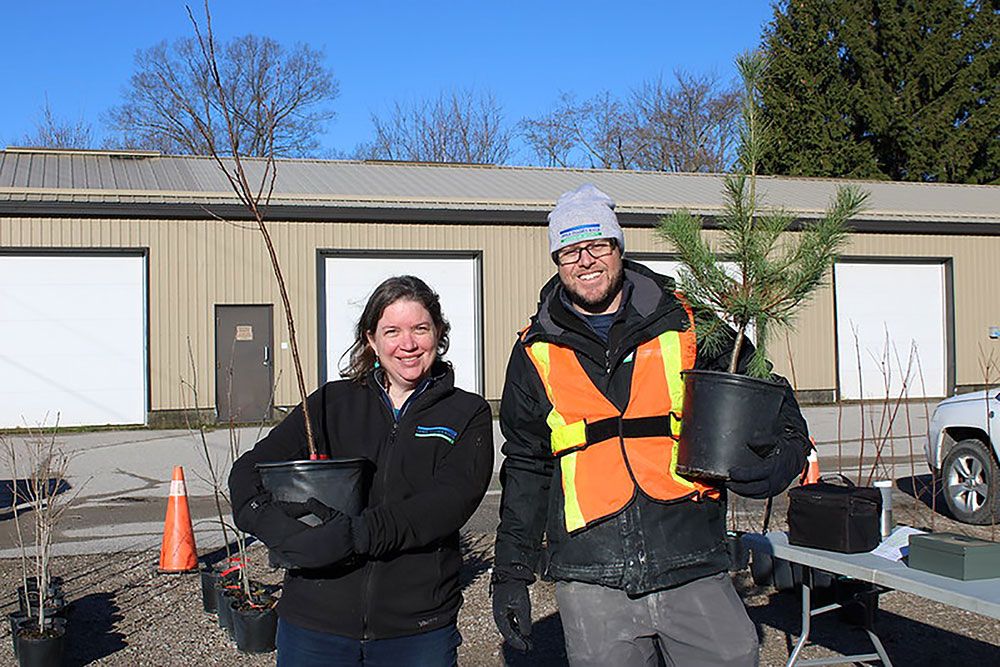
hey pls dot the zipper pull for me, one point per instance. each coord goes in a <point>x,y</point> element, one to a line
<point>607,362</point>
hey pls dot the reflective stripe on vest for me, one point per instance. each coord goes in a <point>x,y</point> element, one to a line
<point>605,453</point>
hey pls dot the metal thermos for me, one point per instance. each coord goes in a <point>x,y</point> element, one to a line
<point>885,521</point>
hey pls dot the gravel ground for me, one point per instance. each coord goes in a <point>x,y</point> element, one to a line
<point>124,613</point>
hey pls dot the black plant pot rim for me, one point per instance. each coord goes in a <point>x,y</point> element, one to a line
<point>305,464</point>
<point>237,608</point>
<point>733,378</point>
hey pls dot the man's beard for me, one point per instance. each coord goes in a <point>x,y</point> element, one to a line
<point>601,304</point>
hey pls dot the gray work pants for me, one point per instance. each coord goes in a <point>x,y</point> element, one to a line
<point>700,623</point>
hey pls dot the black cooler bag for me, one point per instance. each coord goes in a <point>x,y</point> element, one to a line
<point>834,517</point>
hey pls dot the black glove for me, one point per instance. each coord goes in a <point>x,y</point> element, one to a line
<point>324,545</point>
<point>272,522</point>
<point>512,612</point>
<point>769,476</point>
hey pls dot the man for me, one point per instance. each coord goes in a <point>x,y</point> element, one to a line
<point>639,553</point>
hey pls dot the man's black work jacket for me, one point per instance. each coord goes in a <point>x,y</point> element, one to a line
<point>647,546</point>
<point>423,490</point>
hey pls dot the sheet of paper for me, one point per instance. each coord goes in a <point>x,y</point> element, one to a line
<point>897,544</point>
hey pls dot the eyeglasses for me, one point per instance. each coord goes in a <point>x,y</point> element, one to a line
<point>597,249</point>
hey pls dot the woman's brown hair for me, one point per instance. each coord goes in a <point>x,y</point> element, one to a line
<point>361,357</point>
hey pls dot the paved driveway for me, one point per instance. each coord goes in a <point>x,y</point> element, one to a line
<point>121,478</point>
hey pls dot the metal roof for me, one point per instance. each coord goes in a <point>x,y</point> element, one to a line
<point>44,181</point>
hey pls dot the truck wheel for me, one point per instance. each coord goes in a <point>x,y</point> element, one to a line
<point>970,478</point>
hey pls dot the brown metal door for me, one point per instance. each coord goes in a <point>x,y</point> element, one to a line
<point>244,350</point>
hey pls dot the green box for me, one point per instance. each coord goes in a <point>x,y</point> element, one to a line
<point>955,556</point>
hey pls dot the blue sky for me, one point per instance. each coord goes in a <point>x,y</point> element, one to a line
<point>79,54</point>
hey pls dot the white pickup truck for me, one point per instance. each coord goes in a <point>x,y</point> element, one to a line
<point>962,448</point>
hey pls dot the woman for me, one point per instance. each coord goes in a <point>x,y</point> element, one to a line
<point>380,588</point>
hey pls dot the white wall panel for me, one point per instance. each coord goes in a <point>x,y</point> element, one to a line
<point>350,280</point>
<point>670,267</point>
<point>72,340</point>
<point>891,320</point>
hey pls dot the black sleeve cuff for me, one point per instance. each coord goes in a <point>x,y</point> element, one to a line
<point>360,535</point>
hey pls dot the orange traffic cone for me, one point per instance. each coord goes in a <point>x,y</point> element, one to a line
<point>178,552</point>
<point>811,474</point>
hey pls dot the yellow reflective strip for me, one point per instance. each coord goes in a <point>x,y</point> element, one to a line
<point>540,352</point>
<point>555,421</point>
<point>673,469</point>
<point>571,504</point>
<point>556,424</point>
<point>568,435</point>
<point>670,351</point>
<point>563,436</point>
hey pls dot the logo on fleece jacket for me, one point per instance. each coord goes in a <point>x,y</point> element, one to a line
<point>443,432</point>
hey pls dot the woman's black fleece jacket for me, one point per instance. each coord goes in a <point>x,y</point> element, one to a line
<point>425,487</point>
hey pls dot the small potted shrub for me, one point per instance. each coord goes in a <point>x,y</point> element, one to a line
<point>336,482</point>
<point>777,272</point>
<point>254,619</point>
<point>38,629</point>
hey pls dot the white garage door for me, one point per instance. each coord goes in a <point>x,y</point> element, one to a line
<point>72,340</point>
<point>889,317</point>
<point>667,267</point>
<point>670,267</point>
<point>350,280</point>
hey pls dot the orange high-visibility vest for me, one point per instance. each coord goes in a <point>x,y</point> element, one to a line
<point>604,453</point>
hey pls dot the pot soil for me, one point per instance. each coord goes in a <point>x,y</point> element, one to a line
<point>254,626</point>
<point>43,648</point>
<point>725,415</point>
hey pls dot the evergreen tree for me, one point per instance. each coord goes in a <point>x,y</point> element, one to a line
<point>897,89</point>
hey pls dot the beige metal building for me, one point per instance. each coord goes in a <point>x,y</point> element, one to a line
<point>130,283</point>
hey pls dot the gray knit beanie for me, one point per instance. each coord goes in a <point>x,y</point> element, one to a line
<point>583,214</point>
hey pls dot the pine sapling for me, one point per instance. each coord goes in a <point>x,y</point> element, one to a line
<point>776,272</point>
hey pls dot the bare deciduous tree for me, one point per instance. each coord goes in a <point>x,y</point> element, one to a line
<point>599,132</point>
<point>39,484</point>
<point>279,98</point>
<point>53,132</point>
<point>687,126</point>
<point>463,126</point>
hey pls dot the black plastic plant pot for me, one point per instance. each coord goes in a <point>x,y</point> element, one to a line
<point>55,583</point>
<point>739,553</point>
<point>254,629</point>
<point>338,482</point>
<point>222,601</point>
<point>55,606</point>
<point>723,414</point>
<point>209,582</point>
<point>16,620</point>
<point>41,649</point>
